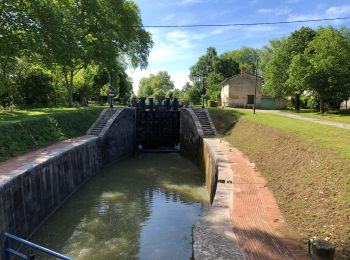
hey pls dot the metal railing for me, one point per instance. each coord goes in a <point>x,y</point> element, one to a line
<point>30,256</point>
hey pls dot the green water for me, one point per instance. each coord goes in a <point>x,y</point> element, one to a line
<point>141,208</point>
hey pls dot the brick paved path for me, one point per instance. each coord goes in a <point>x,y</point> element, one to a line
<point>16,165</point>
<point>257,221</point>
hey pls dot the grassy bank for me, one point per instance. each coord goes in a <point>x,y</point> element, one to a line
<point>342,116</point>
<point>26,132</point>
<point>306,165</point>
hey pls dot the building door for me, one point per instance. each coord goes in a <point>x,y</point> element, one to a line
<point>250,100</point>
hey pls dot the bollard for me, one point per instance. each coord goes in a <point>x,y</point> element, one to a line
<point>322,249</point>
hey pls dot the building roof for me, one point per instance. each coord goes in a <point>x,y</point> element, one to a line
<point>235,76</point>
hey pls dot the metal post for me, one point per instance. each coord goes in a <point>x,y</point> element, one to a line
<point>7,246</point>
<point>202,92</point>
<point>256,81</point>
<point>110,84</point>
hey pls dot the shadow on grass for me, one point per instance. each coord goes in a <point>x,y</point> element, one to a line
<point>224,119</point>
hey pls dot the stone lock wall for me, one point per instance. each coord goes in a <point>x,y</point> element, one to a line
<point>35,190</point>
<point>118,137</point>
<point>195,147</point>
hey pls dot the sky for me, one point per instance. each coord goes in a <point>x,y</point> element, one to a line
<point>177,49</point>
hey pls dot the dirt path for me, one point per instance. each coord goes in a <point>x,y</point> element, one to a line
<point>309,119</point>
<point>257,220</point>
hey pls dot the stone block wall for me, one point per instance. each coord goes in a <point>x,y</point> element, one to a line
<point>119,137</point>
<point>33,191</point>
<point>193,146</point>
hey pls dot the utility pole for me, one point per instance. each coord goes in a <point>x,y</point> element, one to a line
<point>256,81</point>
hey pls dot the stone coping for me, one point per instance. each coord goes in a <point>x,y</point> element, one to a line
<point>213,235</point>
<point>14,167</point>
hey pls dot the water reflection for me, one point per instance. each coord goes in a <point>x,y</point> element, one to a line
<point>140,208</point>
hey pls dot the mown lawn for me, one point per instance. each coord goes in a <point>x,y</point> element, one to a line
<point>17,115</point>
<point>342,116</point>
<point>307,166</point>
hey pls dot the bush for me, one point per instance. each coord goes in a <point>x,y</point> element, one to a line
<point>212,103</point>
<point>20,137</point>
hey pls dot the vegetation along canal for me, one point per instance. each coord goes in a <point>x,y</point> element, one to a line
<point>144,207</point>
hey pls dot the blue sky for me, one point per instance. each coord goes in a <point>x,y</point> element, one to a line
<point>177,49</point>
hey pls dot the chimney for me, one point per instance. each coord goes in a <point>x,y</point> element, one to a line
<point>243,70</point>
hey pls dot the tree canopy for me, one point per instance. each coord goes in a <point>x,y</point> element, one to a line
<point>160,83</point>
<point>312,61</point>
<point>70,36</point>
<point>210,70</point>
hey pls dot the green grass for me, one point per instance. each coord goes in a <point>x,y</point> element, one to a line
<point>336,139</point>
<point>342,116</point>
<point>18,115</point>
<point>307,166</point>
<point>24,132</point>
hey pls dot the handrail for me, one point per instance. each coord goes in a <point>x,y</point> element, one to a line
<point>9,250</point>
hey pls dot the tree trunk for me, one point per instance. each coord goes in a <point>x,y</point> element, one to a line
<point>321,105</point>
<point>69,86</point>
<point>297,102</point>
<point>70,102</point>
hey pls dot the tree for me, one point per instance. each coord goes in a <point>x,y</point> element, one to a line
<point>324,66</point>
<point>36,88</point>
<point>246,57</point>
<point>150,85</point>
<point>74,34</point>
<point>210,70</point>
<point>276,72</point>
<point>191,93</point>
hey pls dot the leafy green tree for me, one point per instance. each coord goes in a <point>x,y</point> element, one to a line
<point>211,69</point>
<point>276,72</point>
<point>246,57</point>
<point>159,95</point>
<point>150,85</point>
<point>74,34</point>
<point>191,93</point>
<point>324,67</point>
<point>36,88</point>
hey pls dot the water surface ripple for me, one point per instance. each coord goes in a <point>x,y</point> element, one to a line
<point>141,208</point>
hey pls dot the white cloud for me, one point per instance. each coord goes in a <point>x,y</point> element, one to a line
<point>274,11</point>
<point>336,11</point>
<point>184,39</point>
<point>331,12</point>
<point>293,1</point>
<point>190,2</point>
<point>178,77</point>
<point>265,11</point>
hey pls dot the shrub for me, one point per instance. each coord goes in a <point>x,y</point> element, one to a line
<point>212,103</point>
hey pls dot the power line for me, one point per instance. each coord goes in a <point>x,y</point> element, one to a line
<point>244,24</point>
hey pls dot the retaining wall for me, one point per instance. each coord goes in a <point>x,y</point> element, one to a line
<point>213,237</point>
<point>118,137</point>
<point>29,193</point>
<point>194,148</point>
<point>33,191</point>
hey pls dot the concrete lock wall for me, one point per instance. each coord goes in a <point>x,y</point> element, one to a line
<point>118,138</point>
<point>35,190</point>
<point>196,148</point>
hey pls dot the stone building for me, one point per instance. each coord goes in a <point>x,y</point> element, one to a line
<point>238,91</point>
